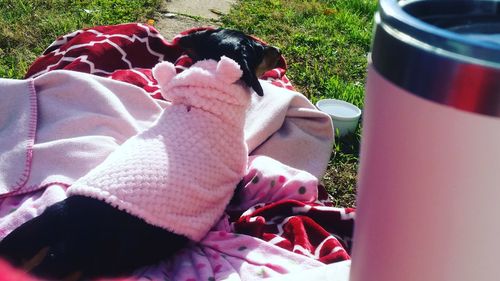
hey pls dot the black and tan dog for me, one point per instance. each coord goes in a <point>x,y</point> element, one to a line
<point>81,237</point>
<point>253,57</point>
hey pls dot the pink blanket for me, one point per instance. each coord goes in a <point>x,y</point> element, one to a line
<point>281,225</point>
<point>280,222</point>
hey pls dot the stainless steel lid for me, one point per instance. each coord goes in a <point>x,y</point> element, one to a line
<point>447,51</point>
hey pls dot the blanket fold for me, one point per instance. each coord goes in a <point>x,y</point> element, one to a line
<point>70,126</point>
<point>18,120</point>
<point>284,125</point>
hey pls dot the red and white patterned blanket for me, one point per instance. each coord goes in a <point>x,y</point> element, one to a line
<point>127,53</point>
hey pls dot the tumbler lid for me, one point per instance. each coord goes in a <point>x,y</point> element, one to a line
<point>466,30</point>
<point>447,51</point>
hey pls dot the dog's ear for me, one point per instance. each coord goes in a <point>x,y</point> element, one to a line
<point>270,58</point>
<point>253,81</point>
<point>249,76</point>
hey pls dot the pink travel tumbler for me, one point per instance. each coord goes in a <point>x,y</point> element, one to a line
<point>429,179</point>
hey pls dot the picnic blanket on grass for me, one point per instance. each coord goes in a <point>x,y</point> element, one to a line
<point>281,221</point>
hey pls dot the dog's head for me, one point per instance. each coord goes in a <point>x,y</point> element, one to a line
<point>253,57</point>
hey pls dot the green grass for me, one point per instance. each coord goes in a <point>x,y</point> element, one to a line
<point>326,43</point>
<point>27,27</point>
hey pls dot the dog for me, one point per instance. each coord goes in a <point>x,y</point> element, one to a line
<point>254,57</point>
<point>82,237</point>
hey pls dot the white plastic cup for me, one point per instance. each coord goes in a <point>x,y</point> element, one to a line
<point>345,116</point>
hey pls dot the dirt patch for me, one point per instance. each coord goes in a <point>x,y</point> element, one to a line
<point>207,9</point>
<point>179,15</point>
<point>171,26</point>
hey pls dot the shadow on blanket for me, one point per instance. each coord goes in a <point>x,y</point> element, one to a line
<point>85,235</point>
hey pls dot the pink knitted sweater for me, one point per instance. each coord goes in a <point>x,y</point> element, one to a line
<point>198,139</point>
